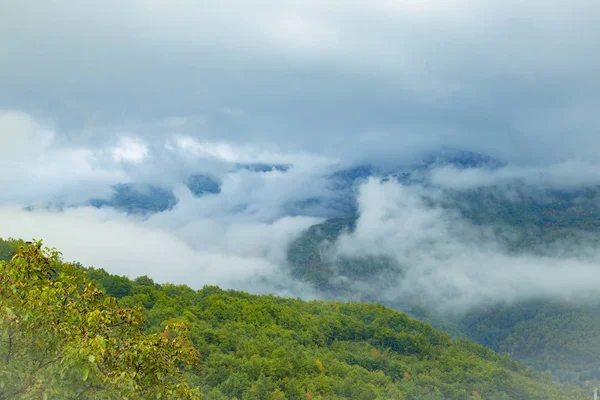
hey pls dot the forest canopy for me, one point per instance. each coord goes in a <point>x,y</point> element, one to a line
<point>65,334</point>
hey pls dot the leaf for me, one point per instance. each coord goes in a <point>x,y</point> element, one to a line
<point>86,373</point>
<point>9,312</point>
<point>92,358</point>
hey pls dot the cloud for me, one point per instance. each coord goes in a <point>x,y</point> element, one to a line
<point>238,238</point>
<point>35,168</point>
<point>506,78</point>
<point>130,150</point>
<point>451,265</point>
<point>21,135</point>
<point>571,174</point>
<point>198,252</point>
<point>232,153</point>
<point>40,169</point>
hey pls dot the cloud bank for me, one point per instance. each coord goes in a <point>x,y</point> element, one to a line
<point>202,252</point>
<point>449,264</point>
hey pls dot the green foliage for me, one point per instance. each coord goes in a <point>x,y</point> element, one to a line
<point>8,248</point>
<point>549,335</point>
<point>543,216</point>
<point>113,285</point>
<point>265,347</point>
<point>305,254</point>
<point>61,337</point>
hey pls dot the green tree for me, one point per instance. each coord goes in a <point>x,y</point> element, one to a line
<point>61,337</point>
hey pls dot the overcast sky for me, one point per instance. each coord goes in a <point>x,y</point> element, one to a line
<point>345,79</point>
<point>98,93</point>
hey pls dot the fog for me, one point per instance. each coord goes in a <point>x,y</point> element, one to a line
<point>239,237</point>
<point>201,252</point>
<point>444,262</point>
<point>449,264</point>
<point>570,174</point>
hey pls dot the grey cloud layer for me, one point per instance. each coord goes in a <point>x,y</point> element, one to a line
<point>510,79</point>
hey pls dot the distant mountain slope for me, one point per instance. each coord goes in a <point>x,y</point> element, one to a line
<point>200,184</point>
<point>549,335</point>
<point>338,201</point>
<point>461,159</point>
<point>138,199</point>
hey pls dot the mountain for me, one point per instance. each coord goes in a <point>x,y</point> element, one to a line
<point>532,219</point>
<point>339,201</point>
<point>461,159</point>
<point>138,199</point>
<point>553,335</point>
<point>244,346</point>
<point>550,335</point>
<point>133,198</point>
<point>200,184</point>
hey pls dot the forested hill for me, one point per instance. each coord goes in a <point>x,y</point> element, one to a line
<point>236,345</point>
<point>549,334</point>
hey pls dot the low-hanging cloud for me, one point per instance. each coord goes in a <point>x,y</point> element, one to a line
<point>238,237</point>
<point>200,252</point>
<point>39,169</point>
<point>451,265</point>
<point>571,174</point>
<point>34,168</point>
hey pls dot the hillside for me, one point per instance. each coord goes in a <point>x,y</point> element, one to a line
<point>551,335</point>
<point>259,347</point>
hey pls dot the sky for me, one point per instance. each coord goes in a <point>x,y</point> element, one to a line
<point>344,79</point>
<point>152,91</point>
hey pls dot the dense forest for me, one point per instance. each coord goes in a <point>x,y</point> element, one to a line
<point>75,332</point>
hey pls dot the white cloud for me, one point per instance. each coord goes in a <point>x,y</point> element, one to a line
<point>571,174</point>
<point>198,252</point>
<point>36,169</point>
<point>239,237</point>
<point>22,137</point>
<point>452,265</point>
<point>233,153</point>
<point>130,150</point>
